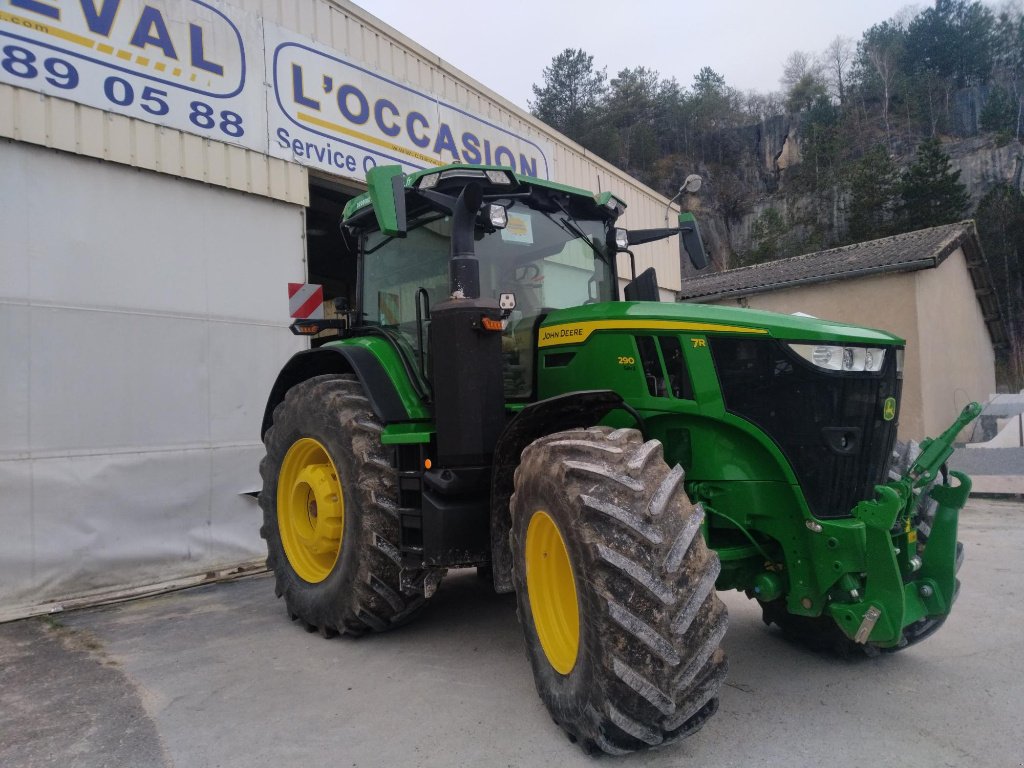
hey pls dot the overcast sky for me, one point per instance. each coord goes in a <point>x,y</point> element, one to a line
<point>506,45</point>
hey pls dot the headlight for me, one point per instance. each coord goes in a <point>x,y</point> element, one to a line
<point>497,215</point>
<point>499,177</point>
<point>621,239</point>
<point>835,358</point>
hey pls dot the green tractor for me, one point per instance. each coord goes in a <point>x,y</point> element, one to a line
<point>491,402</point>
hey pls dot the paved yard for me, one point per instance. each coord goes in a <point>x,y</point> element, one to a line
<point>217,676</point>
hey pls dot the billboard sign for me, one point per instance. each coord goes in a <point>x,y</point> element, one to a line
<point>186,64</point>
<point>210,69</point>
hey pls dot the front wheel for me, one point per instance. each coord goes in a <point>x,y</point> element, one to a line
<point>615,588</point>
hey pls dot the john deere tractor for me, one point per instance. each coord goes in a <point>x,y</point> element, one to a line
<point>492,402</point>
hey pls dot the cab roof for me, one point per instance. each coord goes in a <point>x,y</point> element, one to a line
<point>612,205</point>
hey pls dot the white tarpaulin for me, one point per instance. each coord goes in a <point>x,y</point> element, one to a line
<point>142,322</point>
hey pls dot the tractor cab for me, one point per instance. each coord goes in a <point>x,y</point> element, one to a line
<point>534,247</point>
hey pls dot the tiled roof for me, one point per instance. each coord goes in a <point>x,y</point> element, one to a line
<point>908,252</point>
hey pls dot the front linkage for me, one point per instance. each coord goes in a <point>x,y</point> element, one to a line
<point>911,584</point>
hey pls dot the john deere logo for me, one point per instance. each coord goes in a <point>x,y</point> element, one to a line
<point>889,409</point>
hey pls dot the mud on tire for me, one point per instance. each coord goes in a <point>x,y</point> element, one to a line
<point>649,663</point>
<point>362,590</point>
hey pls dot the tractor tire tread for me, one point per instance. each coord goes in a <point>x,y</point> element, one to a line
<point>362,592</point>
<point>649,665</point>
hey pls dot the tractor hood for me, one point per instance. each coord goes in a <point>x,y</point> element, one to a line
<point>574,325</point>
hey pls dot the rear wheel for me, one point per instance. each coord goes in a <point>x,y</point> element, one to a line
<point>615,588</point>
<point>329,503</point>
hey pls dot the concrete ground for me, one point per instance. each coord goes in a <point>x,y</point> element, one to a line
<point>217,676</point>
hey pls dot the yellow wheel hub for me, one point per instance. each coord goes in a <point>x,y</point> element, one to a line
<point>310,510</point>
<point>552,591</point>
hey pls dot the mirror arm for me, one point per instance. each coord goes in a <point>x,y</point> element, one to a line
<point>641,236</point>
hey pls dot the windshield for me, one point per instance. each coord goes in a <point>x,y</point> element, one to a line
<point>546,260</point>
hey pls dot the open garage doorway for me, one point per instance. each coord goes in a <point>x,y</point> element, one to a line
<point>331,258</point>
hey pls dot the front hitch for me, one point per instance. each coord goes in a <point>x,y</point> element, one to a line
<point>907,585</point>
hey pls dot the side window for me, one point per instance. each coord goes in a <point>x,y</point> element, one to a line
<point>394,274</point>
<point>403,272</point>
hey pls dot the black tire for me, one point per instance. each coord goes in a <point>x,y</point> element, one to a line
<point>362,590</point>
<point>649,663</point>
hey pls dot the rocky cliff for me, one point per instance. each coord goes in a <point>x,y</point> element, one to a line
<point>768,154</point>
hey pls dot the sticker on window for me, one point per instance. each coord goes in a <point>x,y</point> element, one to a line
<point>518,230</point>
<point>390,305</point>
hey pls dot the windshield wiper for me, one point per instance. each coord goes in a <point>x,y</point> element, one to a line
<point>568,223</point>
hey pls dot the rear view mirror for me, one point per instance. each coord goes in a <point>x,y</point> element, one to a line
<point>386,185</point>
<point>644,287</point>
<point>690,243</point>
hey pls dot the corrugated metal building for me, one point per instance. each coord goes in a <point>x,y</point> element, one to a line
<point>166,168</point>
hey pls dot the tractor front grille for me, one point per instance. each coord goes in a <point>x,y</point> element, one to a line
<point>829,425</point>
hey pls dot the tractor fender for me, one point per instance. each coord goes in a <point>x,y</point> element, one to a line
<point>568,411</point>
<point>361,362</point>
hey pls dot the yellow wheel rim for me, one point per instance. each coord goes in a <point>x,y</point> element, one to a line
<point>310,510</point>
<point>552,591</point>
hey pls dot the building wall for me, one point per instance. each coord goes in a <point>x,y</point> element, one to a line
<point>887,302</point>
<point>32,118</point>
<point>140,332</point>
<point>959,362</point>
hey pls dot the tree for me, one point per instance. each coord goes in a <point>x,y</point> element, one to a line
<point>931,191</point>
<point>874,187</point>
<point>758,107</point>
<point>1000,112</point>
<point>953,39</point>
<point>708,84</point>
<point>768,236</point>
<point>1000,219</point>
<point>805,93</point>
<point>632,109</point>
<point>1008,60</point>
<point>948,46</point>
<point>819,149</point>
<point>879,53</point>
<point>798,65</point>
<point>802,80</point>
<point>572,94</point>
<point>837,59</point>
<point>713,106</point>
